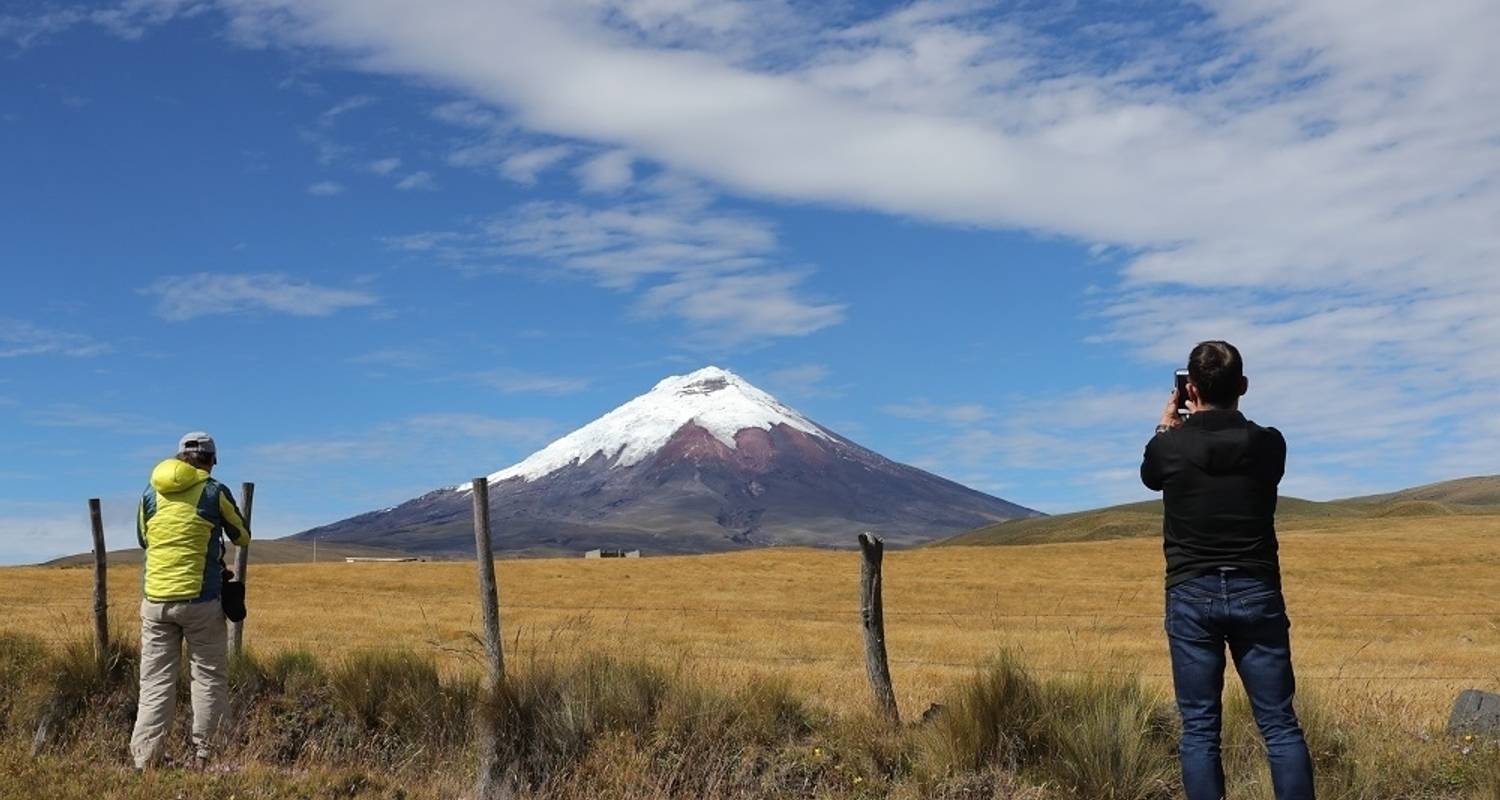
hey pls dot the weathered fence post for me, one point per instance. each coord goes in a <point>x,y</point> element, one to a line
<point>241,564</point>
<point>872,617</point>
<point>489,596</point>
<point>492,784</point>
<point>101,589</point>
<point>51,712</point>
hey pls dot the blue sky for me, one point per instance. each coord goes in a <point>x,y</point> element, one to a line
<point>380,247</point>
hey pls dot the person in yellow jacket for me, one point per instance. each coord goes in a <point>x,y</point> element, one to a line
<point>183,517</point>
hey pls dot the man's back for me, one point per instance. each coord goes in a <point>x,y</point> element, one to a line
<point>1218,474</point>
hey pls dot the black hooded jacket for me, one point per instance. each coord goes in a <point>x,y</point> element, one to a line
<point>1218,474</point>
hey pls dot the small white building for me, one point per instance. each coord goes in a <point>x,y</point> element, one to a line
<point>602,553</point>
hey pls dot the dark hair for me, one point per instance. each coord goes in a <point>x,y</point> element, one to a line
<point>199,459</point>
<point>1216,369</point>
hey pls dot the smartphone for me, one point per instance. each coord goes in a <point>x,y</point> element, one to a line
<point>1182,397</point>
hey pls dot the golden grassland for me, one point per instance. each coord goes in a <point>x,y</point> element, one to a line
<point>1395,615</point>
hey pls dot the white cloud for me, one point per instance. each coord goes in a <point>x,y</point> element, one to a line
<point>417,180</point>
<point>127,20</point>
<point>397,357</point>
<point>343,107</point>
<point>623,243</point>
<point>512,381</point>
<point>325,189</point>
<point>731,310</point>
<point>420,436</point>
<point>805,380</point>
<point>960,413</point>
<point>522,167</point>
<point>185,297</point>
<point>609,172</point>
<point>21,338</point>
<point>384,166</point>
<point>468,114</point>
<point>479,426</point>
<point>1087,441</point>
<point>327,149</point>
<point>713,270</point>
<point>73,415</point>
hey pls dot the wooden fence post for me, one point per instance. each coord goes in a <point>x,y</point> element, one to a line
<point>101,589</point>
<point>493,783</point>
<point>489,595</point>
<point>872,617</point>
<point>241,565</point>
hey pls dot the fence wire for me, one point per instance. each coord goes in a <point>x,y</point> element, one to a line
<point>468,645</point>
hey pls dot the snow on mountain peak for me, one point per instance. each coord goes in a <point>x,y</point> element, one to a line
<point>715,399</point>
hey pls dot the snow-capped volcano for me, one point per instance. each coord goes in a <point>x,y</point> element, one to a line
<point>716,400</point>
<point>703,462</point>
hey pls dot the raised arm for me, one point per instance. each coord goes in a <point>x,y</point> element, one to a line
<point>234,521</point>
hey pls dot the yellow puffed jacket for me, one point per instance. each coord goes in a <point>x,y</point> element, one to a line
<point>182,515</point>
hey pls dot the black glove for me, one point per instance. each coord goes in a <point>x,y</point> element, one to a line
<point>232,596</point>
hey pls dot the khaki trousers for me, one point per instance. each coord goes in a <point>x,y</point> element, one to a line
<point>164,626</point>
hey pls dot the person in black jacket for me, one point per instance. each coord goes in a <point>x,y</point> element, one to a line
<point>1218,473</point>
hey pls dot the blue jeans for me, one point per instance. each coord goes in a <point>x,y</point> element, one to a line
<point>1248,614</point>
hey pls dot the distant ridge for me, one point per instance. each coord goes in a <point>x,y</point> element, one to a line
<point>264,551</point>
<point>1476,495</point>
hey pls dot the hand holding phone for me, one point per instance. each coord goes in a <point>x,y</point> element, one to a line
<point>1181,377</point>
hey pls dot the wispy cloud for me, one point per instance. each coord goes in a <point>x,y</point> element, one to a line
<point>332,113</point>
<point>959,413</point>
<point>480,426</point>
<point>185,297</point>
<point>1086,445</point>
<point>803,380</point>
<point>325,189</point>
<point>384,166</point>
<point>22,338</point>
<point>73,415</point>
<point>625,242</point>
<point>420,435</point>
<point>715,271</point>
<point>467,113</point>
<point>609,172</point>
<point>731,310</point>
<point>522,167</point>
<point>512,381</point>
<point>417,180</point>
<point>398,357</point>
<point>129,20</point>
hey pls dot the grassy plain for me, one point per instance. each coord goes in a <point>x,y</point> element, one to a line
<point>1394,615</point>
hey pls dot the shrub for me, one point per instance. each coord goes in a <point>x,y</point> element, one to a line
<point>391,703</point>
<point>993,718</point>
<point>79,686</point>
<point>22,661</point>
<point>1108,739</point>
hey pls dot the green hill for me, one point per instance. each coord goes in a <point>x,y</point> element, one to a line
<point>1477,491</point>
<point>1479,495</point>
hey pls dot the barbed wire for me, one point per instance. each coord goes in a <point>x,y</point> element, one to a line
<point>842,614</point>
<point>523,651</point>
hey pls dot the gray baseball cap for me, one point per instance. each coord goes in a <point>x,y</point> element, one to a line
<point>197,442</point>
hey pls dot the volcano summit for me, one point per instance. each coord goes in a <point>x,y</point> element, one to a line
<point>703,462</point>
